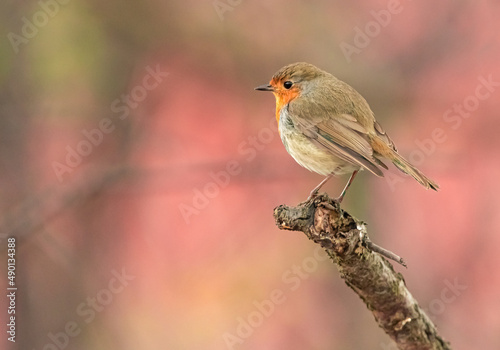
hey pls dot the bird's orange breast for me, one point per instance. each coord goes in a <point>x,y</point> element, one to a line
<point>283,98</point>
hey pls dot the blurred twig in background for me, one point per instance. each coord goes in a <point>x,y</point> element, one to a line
<point>38,210</point>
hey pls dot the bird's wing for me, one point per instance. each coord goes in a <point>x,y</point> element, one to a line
<point>342,135</point>
<point>383,136</point>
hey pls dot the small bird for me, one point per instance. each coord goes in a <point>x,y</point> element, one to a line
<point>328,127</point>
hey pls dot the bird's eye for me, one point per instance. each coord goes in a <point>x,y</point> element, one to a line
<point>287,84</point>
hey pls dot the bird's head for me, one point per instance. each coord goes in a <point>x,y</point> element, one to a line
<point>291,82</point>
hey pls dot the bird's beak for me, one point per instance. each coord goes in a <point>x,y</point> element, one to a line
<point>265,87</point>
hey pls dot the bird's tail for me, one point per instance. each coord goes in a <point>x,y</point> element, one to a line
<point>405,166</point>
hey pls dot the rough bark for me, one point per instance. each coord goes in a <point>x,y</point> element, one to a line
<point>369,274</point>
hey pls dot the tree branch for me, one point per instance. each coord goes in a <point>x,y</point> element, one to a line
<point>367,273</point>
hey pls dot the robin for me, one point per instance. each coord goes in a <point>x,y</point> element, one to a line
<point>328,127</point>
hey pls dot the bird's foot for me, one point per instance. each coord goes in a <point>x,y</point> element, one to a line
<point>314,194</point>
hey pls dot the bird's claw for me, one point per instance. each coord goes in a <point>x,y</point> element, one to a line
<point>314,194</point>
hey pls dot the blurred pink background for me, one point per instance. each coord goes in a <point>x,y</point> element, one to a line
<point>140,171</point>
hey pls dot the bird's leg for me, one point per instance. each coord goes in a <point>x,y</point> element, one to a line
<point>341,197</point>
<point>314,192</point>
